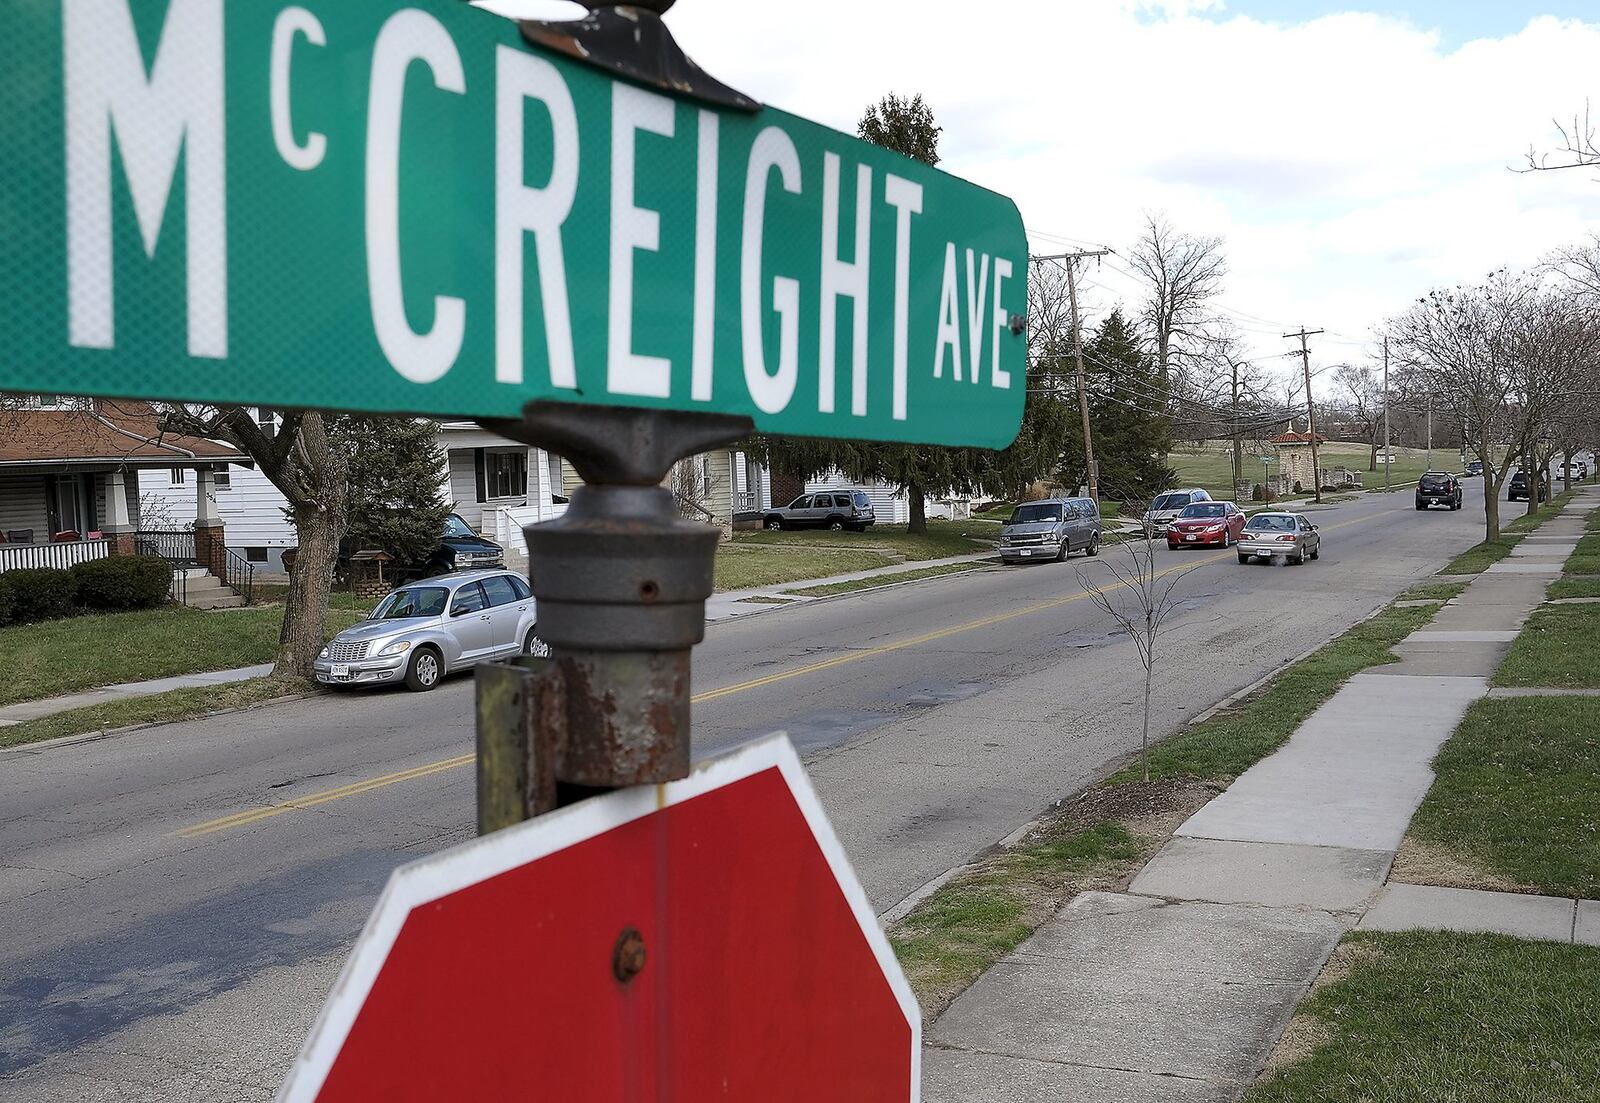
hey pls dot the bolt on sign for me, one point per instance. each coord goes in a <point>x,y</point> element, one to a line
<point>696,941</point>
<point>377,206</point>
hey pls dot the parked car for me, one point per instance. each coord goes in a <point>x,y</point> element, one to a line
<point>1050,529</point>
<point>461,549</point>
<point>1438,488</point>
<point>1517,487</point>
<point>1167,506</point>
<point>1577,469</point>
<point>1474,469</point>
<point>1286,537</point>
<point>1206,523</point>
<point>825,509</point>
<point>425,630</point>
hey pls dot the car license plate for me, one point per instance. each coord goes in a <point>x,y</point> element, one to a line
<point>1191,537</point>
<point>341,670</point>
<point>1027,551</point>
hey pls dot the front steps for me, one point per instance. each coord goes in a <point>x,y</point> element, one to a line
<point>200,589</point>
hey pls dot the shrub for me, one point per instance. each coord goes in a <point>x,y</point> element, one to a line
<point>123,582</point>
<point>5,601</point>
<point>1298,489</point>
<point>40,593</point>
<point>1258,493</point>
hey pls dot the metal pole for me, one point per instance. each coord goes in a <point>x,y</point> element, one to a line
<point>1388,460</point>
<point>1311,412</point>
<point>1430,430</point>
<point>1083,397</point>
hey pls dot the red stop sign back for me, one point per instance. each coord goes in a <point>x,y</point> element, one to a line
<point>490,972</point>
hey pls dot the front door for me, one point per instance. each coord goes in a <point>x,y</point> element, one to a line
<point>70,503</point>
<point>506,610</point>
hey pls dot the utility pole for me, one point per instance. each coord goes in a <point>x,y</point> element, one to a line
<point>1238,447</point>
<point>1430,430</point>
<point>1311,412</point>
<point>1070,262</point>
<point>1388,460</point>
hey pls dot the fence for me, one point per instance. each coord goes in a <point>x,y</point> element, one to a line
<point>176,546</point>
<point>63,555</point>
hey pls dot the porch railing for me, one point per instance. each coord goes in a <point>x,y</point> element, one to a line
<point>176,546</point>
<point>241,576</point>
<point>63,555</point>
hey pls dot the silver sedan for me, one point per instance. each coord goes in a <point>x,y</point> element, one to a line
<point>427,629</point>
<point>1279,537</point>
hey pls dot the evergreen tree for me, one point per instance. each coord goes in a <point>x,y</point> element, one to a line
<point>1132,433</point>
<point>396,467</point>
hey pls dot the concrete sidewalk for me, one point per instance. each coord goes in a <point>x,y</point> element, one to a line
<point>33,710</point>
<point>1178,989</point>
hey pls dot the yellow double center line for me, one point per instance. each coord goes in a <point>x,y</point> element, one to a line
<point>311,800</point>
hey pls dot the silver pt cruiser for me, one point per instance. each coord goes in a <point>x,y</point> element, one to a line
<point>427,629</point>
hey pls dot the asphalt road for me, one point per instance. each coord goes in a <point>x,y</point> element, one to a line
<point>174,903</point>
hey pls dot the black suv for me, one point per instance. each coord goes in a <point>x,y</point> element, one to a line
<point>1438,488</point>
<point>1517,488</point>
<point>461,549</point>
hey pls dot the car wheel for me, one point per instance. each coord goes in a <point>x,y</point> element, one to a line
<point>775,523</point>
<point>425,669</point>
<point>835,525</point>
<point>1244,559</point>
<point>1094,545</point>
<point>1061,552</point>
<point>1300,558</point>
<point>533,645</point>
<point>1316,553</point>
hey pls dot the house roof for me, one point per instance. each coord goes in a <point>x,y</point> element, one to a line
<point>125,433</point>
<point>1298,438</point>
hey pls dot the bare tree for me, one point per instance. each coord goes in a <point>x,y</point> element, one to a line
<point>1139,598</point>
<point>1361,395</point>
<point>1578,149</point>
<point>297,457</point>
<point>1182,274</point>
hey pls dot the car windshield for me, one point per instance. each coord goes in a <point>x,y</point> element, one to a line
<point>1169,501</point>
<point>1270,522</point>
<point>1203,509</point>
<point>455,526</point>
<point>1435,482</point>
<point>425,601</point>
<point>1036,512</point>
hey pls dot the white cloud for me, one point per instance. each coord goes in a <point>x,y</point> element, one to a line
<point>1350,162</point>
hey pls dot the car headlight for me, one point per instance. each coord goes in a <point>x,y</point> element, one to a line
<point>398,647</point>
<point>323,654</point>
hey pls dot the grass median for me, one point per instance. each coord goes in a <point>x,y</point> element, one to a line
<point>943,539</point>
<point>1516,795</point>
<point>1559,647</point>
<point>742,567</point>
<point>1100,838</point>
<point>914,575</point>
<point>1429,1016</point>
<point>158,708</point>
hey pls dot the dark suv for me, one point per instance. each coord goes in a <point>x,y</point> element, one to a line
<point>461,549</point>
<point>1438,488</point>
<point>1517,487</point>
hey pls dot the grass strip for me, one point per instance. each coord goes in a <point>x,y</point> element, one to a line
<point>1229,743</point>
<point>741,567</point>
<point>157,708</point>
<point>895,578</point>
<point>1574,587</point>
<point>1517,792</point>
<point>942,540</point>
<point>1100,838</point>
<point>1437,591</point>
<point>1555,648</point>
<point>1480,557</point>
<point>1432,1016</point>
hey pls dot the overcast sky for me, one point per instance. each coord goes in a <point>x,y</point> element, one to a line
<point>1351,155</point>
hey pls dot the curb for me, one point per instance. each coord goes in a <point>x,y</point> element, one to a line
<point>111,733</point>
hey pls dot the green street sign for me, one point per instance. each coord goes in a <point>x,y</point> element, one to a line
<point>374,206</point>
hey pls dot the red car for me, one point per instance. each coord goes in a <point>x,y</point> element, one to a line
<point>1203,523</point>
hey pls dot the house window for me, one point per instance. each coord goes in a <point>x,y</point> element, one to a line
<point>557,475</point>
<point>179,475</point>
<point>255,555</point>
<point>221,478</point>
<point>501,474</point>
<point>267,421</point>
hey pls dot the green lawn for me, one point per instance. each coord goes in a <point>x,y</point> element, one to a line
<point>1517,792</point>
<point>943,538</point>
<point>67,656</point>
<point>1586,558</point>
<point>1212,466</point>
<point>1430,1017</point>
<point>1479,557</point>
<point>1575,587</point>
<point>1443,591</point>
<point>740,566</point>
<point>178,704</point>
<point>834,588</point>
<point>1225,746</point>
<point>1559,646</point>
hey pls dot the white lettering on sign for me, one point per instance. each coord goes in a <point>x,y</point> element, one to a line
<point>406,37</point>
<point>1002,272</point>
<point>977,291</point>
<point>292,22</point>
<point>844,280</point>
<point>906,199</point>
<point>949,335</point>
<point>705,258</point>
<point>772,149</point>
<point>177,109</point>
<point>632,228</point>
<point>521,210</point>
